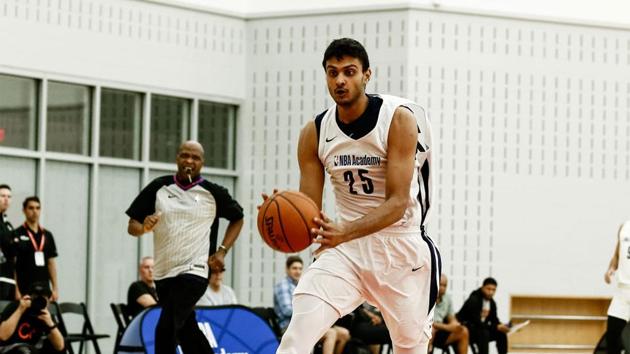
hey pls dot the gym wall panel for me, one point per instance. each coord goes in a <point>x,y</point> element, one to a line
<point>115,260</point>
<point>125,41</point>
<point>527,117</point>
<point>65,209</point>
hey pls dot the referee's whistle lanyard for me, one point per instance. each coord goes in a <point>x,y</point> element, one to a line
<point>32,237</point>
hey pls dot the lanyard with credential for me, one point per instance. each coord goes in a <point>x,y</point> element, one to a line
<point>32,237</point>
<point>39,254</point>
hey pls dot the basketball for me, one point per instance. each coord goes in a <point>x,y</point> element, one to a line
<point>285,220</point>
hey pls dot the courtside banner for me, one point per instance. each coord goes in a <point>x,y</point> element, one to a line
<point>230,329</point>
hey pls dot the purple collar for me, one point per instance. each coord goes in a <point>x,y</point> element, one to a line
<point>189,185</point>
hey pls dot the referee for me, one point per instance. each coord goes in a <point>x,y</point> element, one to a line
<point>183,212</point>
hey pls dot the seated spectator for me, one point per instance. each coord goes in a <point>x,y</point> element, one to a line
<point>446,329</point>
<point>335,338</point>
<point>142,293</point>
<point>27,324</point>
<point>479,315</point>
<point>217,293</point>
<point>369,327</point>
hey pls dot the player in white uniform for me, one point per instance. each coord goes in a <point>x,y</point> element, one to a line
<point>619,310</point>
<point>377,152</point>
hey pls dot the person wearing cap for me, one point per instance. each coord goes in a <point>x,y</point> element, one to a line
<point>35,252</point>
<point>217,293</point>
<point>26,323</point>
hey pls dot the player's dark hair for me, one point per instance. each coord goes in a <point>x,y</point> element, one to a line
<point>33,198</point>
<point>489,280</point>
<point>346,46</point>
<point>5,186</point>
<point>293,259</point>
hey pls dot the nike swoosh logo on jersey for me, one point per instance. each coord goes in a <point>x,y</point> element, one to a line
<point>330,139</point>
<point>172,196</point>
<point>414,269</point>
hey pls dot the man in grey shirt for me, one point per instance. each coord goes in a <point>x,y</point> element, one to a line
<point>446,329</point>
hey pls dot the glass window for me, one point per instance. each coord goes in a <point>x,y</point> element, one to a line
<point>68,118</point>
<point>18,112</point>
<point>121,117</point>
<point>169,126</point>
<point>216,133</point>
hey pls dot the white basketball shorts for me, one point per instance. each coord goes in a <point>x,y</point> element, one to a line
<point>620,304</point>
<point>398,273</point>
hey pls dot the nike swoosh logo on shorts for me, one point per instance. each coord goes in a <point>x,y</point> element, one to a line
<point>330,139</point>
<point>414,269</point>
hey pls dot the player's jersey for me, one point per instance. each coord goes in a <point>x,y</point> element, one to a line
<point>357,167</point>
<point>623,269</point>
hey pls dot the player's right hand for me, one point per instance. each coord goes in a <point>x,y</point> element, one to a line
<point>265,197</point>
<point>608,276</point>
<point>150,221</point>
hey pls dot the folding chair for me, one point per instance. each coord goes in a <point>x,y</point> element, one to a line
<point>87,332</point>
<point>269,315</point>
<point>4,304</point>
<point>123,319</point>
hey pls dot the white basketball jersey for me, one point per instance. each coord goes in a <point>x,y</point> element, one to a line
<point>357,167</point>
<point>623,269</point>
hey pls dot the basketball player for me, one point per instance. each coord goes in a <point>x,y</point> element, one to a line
<point>619,310</point>
<point>376,150</point>
<point>183,210</point>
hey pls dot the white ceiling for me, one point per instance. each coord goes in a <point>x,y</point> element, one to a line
<point>599,11</point>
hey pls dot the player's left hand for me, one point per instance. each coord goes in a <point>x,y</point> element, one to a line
<point>216,262</point>
<point>328,235</point>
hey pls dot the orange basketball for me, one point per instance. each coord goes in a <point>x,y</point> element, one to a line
<point>285,221</point>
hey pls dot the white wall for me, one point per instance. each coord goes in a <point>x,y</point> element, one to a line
<point>603,12</point>
<point>126,42</point>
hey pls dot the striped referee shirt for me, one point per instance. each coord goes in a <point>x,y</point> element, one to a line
<point>187,230</point>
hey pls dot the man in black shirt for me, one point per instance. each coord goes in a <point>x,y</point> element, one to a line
<point>479,315</point>
<point>35,251</point>
<point>28,322</point>
<point>142,294</point>
<point>7,283</point>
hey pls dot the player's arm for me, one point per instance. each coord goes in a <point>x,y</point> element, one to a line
<point>146,300</point>
<point>311,168</point>
<point>614,261</point>
<point>216,261</point>
<point>401,153</point>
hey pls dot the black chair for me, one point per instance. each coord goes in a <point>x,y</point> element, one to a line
<point>4,304</point>
<point>122,320</point>
<point>449,349</point>
<point>87,332</point>
<point>269,315</point>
